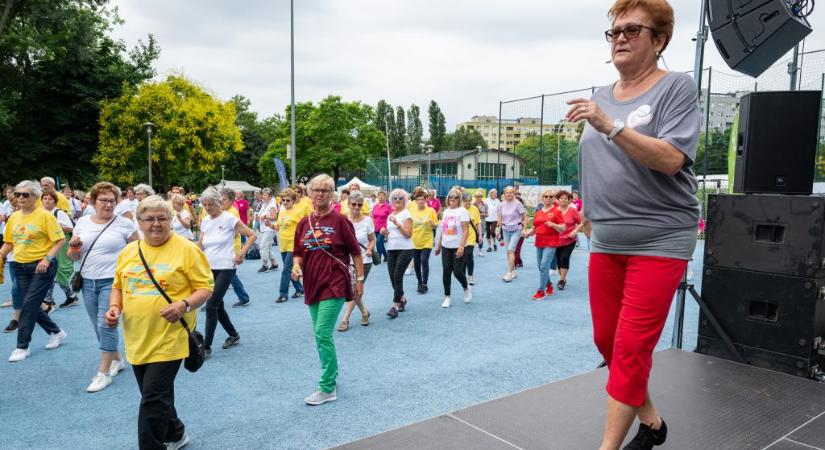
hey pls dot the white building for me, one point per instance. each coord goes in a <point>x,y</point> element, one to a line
<point>459,165</point>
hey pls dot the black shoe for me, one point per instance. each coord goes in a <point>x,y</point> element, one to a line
<point>647,437</point>
<point>495,248</point>
<point>231,341</point>
<point>393,312</point>
<point>561,285</point>
<point>420,289</point>
<point>207,352</point>
<point>263,269</point>
<point>424,286</point>
<point>403,306</point>
<point>12,326</point>
<point>297,294</point>
<point>273,268</point>
<point>489,250</point>
<point>70,301</point>
<point>241,303</point>
<point>281,299</point>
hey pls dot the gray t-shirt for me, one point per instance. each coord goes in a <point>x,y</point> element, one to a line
<point>620,191</point>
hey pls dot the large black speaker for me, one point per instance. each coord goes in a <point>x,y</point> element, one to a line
<point>777,140</point>
<point>753,34</point>
<point>776,322</point>
<point>778,234</point>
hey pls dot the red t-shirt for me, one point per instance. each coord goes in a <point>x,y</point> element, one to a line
<point>324,278</point>
<point>547,236</point>
<point>572,217</point>
<point>243,209</point>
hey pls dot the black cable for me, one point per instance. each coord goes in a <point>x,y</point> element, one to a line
<point>801,8</point>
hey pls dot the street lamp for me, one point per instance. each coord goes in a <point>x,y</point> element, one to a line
<point>429,151</point>
<point>149,126</point>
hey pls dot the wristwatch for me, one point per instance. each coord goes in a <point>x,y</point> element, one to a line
<point>618,126</point>
<point>49,258</point>
<point>360,279</point>
<point>188,306</point>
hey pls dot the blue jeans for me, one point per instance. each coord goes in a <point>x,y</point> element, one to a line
<point>544,257</point>
<point>96,299</point>
<point>237,286</point>
<point>511,239</point>
<point>379,245</point>
<point>286,276</point>
<point>33,287</point>
<point>16,299</point>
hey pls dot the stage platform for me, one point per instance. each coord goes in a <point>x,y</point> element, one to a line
<point>707,402</point>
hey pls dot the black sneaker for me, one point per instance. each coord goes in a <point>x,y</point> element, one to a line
<point>207,352</point>
<point>12,326</point>
<point>393,312</point>
<point>241,303</point>
<point>273,268</point>
<point>281,299</point>
<point>297,294</point>
<point>561,285</point>
<point>231,341</point>
<point>646,438</point>
<point>426,289</point>
<point>70,301</point>
<point>495,248</point>
<point>489,250</point>
<point>263,269</point>
<point>420,289</point>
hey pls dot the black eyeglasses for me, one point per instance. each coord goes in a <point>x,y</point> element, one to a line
<point>357,205</point>
<point>546,196</point>
<point>398,197</point>
<point>452,197</point>
<point>22,194</point>
<point>630,32</point>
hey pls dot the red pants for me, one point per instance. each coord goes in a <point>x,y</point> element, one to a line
<point>630,298</point>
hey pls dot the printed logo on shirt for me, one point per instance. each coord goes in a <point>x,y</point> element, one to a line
<point>321,238</point>
<point>643,115</point>
<point>139,284</point>
<point>448,226</point>
<point>24,234</point>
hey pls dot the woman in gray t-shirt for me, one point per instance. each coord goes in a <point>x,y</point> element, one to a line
<point>637,156</point>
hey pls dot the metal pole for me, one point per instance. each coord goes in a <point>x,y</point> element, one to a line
<point>541,141</point>
<point>292,88</point>
<point>149,156</point>
<point>498,163</point>
<point>707,133</point>
<point>558,153</point>
<point>389,166</point>
<point>701,37</point>
<point>793,68</point>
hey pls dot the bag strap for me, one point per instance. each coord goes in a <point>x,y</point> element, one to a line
<point>92,245</point>
<point>157,286</point>
<point>311,227</point>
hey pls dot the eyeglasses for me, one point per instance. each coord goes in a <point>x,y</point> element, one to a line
<point>107,201</point>
<point>452,197</point>
<point>547,196</point>
<point>286,200</point>
<point>630,32</point>
<point>159,220</point>
<point>321,191</point>
<point>22,194</point>
<point>357,205</point>
<point>397,198</point>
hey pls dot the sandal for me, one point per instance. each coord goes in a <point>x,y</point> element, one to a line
<point>365,320</point>
<point>344,326</point>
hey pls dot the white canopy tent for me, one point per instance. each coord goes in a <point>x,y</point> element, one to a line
<point>365,187</point>
<point>242,186</point>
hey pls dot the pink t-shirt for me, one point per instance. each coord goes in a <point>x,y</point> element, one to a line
<point>380,212</point>
<point>435,204</point>
<point>243,209</point>
<point>578,204</point>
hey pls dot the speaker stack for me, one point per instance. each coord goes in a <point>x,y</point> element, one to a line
<point>764,266</point>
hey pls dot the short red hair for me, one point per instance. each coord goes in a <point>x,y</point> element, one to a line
<point>660,12</point>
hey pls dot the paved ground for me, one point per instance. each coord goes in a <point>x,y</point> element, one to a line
<point>427,362</point>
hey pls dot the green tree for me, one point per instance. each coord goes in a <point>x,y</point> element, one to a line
<point>400,132</point>
<point>541,161</point>
<point>438,127</point>
<point>330,137</point>
<point>256,136</point>
<point>464,139</point>
<point>717,151</point>
<point>194,133</point>
<point>415,131</point>
<point>57,63</point>
<point>382,113</point>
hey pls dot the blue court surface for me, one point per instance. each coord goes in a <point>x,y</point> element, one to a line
<point>394,372</point>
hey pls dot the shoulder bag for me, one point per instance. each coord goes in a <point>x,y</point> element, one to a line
<point>77,279</point>
<point>194,361</point>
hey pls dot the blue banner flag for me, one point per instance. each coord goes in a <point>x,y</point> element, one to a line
<point>283,181</point>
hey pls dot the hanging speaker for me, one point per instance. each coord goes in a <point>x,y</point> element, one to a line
<point>753,34</point>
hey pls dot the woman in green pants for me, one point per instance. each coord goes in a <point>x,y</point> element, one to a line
<point>325,243</point>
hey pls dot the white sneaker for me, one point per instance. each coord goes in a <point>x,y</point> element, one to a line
<point>179,444</point>
<point>513,275</point>
<point>508,277</point>
<point>54,340</point>
<point>318,397</point>
<point>471,280</point>
<point>116,367</point>
<point>552,272</point>
<point>99,382</point>
<point>19,354</point>
<point>467,295</point>
<point>481,253</point>
<point>446,303</point>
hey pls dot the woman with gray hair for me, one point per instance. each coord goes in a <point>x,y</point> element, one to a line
<point>142,191</point>
<point>399,248</point>
<point>455,226</point>
<point>35,237</point>
<point>365,234</point>
<point>217,239</point>
<point>267,215</point>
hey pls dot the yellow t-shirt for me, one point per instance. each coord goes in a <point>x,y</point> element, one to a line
<point>32,235</point>
<point>475,218</point>
<point>423,220</point>
<point>62,203</point>
<point>365,209</point>
<point>180,267</point>
<point>234,211</point>
<point>304,204</point>
<point>287,223</point>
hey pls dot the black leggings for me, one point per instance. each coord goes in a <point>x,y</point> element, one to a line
<point>452,265</point>
<point>469,265</point>
<point>421,263</point>
<point>491,231</point>
<point>397,262</point>
<point>215,312</point>
<point>563,255</point>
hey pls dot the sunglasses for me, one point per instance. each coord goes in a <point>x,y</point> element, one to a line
<point>546,196</point>
<point>357,205</point>
<point>453,197</point>
<point>22,194</point>
<point>398,197</point>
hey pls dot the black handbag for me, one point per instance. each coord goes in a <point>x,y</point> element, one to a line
<point>77,280</point>
<point>194,361</point>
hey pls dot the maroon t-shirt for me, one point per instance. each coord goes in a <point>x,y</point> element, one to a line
<point>324,278</point>
<point>243,210</point>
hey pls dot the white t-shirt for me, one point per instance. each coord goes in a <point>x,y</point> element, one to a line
<point>218,236</point>
<point>124,207</point>
<point>451,231</point>
<point>492,209</point>
<point>101,261</point>
<point>89,211</point>
<point>178,227</point>
<point>62,218</point>
<point>363,230</point>
<point>264,212</point>
<point>76,206</point>
<point>396,240</point>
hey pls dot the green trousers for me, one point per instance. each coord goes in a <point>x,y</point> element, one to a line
<point>65,266</point>
<point>324,316</point>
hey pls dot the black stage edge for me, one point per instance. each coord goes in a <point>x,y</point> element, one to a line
<point>708,403</point>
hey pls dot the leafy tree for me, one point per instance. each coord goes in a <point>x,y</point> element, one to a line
<point>194,133</point>
<point>57,63</point>
<point>438,127</point>
<point>464,139</point>
<point>820,162</point>
<point>415,130</point>
<point>400,132</point>
<point>330,137</point>
<point>717,152</point>
<point>392,132</point>
<point>382,112</point>
<point>541,161</point>
<point>256,136</point>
